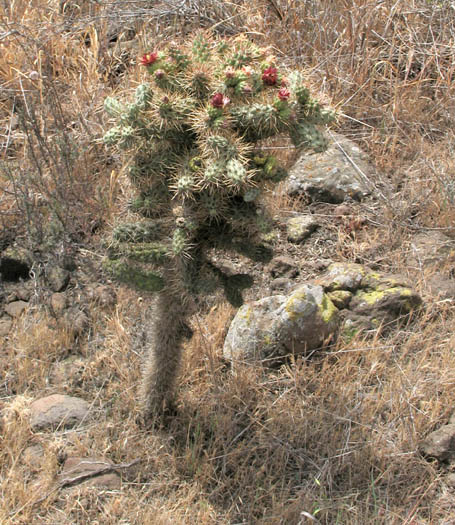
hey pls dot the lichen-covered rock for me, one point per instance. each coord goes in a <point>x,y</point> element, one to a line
<point>276,326</point>
<point>343,276</point>
<point>372,300</point>
<point>331,176</point>
<point>300,228</point>
<point>387,304</point>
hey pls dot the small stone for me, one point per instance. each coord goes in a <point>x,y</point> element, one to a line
<point>440,444</point>
<point>58,303</point>
<point>58,278</point>
<point>15,308</point>
<point>5,327</point>
<point>341,210</point>
<point>281,283</point>
<point>76,320</point>
<point>25,292</point>
<point>57,411</point>
<point>103,295</point>
<point>33,456</point>
<point>340,298</point>
<point>300,228</point>
<point>283,266</point>
<point>85,470</point>
<point>441,288</point>
<point>450,479</point>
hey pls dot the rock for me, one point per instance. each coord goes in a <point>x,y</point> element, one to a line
<point>5,327</point>
<point>385,305</point>
<point>342,210</point>
<point>85,470</point>
<point>15,308</point>
<point>283,266</point>
<point>300,228</point>
<point>450,479</point>
<point>281,283</point>
<point>441,288</point>
<point>58,303</point>
<point>103,295</point>
<point>331,176</point>
<point>25,292</point>
<point>375,299</point>
<point>340,298</point>
<point>343,276</point>
<point>33,457</point>
<point>273,327</point>
<point>58,411</point>
<point>76,320</point>
<point>428,249</point>
<point>440,444</point>
<point>58,278</point>
<point>69,372</point>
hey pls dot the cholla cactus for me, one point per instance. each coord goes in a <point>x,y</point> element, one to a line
<point>191,138</point>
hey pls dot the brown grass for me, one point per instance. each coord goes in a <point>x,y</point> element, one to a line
<point>334,439</point>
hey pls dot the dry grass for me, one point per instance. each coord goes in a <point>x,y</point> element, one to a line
<point>334,439</point>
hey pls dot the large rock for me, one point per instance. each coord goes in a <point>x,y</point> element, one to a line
<point>273,327</point>
<point>372,299</point>
<point>333,175</point>
<point>58,411</point>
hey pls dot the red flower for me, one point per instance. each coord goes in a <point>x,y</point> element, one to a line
<point>149,58</point>
<point>219,100</point>
<point>284,93</point>
<point>270,76</point>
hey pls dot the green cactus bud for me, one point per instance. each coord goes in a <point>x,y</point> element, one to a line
<point>113,136</point>
<point>185,184</point>
<point>127,138</point>
<point>235,171</point>
<point>214,171</point>
<point>113,107</point>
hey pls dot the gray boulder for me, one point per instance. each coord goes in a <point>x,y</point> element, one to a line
<point>338,173</point>
<point>273,327</point>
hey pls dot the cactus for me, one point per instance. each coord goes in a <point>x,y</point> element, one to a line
<point>191,141</point>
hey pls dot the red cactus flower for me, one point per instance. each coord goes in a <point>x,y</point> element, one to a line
<point>219,100</point>
<point>270,76</point>
<point>284,93</point>
<point>149,58</point>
